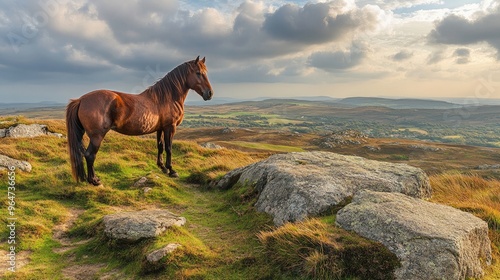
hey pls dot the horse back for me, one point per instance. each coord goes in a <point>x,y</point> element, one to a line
<point>131,114</point>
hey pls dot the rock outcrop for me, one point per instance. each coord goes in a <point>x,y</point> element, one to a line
<point>7,162</point>
<point>25,130</point>
<point>294,186</point>
<point>133,226</point>
<point>432,241</point>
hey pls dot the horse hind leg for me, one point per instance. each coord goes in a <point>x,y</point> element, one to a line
<point>90,155</point>
<point>161,147</point>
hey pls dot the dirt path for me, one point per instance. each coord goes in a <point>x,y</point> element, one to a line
<point>22,259</point>
<point>61,232</point>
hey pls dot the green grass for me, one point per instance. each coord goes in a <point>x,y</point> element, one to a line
<point>224,237</point>
<point>219,239</point>
<point>323,251</point>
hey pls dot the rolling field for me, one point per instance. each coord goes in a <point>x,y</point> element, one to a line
<point>224,237</point>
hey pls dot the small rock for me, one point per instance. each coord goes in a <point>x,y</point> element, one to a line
<point>3,132</point>
<point>425,148</point>
<point>141,182</point>
<point>7,162</point>
<point>372,148</point>
<point>488,166</point>
<point>58,135</point>
<point>227,130</point>
<point>133,226</point>
<point>153,259</point>
<point>147,189</point>
<point>210,145</point>
<point>157,255</point>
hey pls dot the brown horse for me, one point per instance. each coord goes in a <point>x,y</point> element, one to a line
<point>159,108</point>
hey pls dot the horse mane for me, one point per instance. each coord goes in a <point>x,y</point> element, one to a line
<point>171,86</point>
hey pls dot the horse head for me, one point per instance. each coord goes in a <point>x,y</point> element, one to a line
<point>197,79</point>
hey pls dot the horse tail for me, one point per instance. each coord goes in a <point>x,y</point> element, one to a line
<point>75,140</point>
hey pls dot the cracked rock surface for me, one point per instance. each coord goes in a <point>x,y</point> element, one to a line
<point>136,225</point>
<point>295,186</point>
<point>432,241</point>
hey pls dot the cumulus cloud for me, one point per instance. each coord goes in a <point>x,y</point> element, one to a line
<point>458,30</point>
<point>318,23</point>
<point>402,55</point>
<point>89,41</point>
<point>338,60</point>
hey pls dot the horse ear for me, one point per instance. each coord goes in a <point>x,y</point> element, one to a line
<point>203,60</point>
<point>197,59</point>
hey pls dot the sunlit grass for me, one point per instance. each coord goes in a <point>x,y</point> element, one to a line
<point>322,251</point>
<point>477,195</point>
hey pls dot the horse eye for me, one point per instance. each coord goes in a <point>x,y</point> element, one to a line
<point>198,74</point>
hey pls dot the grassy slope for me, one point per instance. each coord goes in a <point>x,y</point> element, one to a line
<point>220,239</point>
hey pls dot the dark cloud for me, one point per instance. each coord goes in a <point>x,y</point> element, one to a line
<point>457,30</point>
<point>462,55</point>
<point>402,55</point>
<point>90,42</point>
<point>338,60</point>
<point>317,23</point>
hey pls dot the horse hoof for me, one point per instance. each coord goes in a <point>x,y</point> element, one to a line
<point>95,182</point>
<point>173,175</point>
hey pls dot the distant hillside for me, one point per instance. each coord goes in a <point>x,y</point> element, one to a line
<point>194,101</point>
<point>346,102</point>
<point>397,103</point>
<point>26,105</point>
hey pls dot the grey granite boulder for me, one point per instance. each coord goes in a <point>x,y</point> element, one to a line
<point>24,130</point>
<point>133,226</point>
<point>294,186</point>
<point>8,162</point>
<point>27,130</point>
<point>432,241</point>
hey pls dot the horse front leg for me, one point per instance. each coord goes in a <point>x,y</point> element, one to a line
<point>161,147</point>
<point>169,135</point>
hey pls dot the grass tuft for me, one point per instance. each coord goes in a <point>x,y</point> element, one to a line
<point>319,251</point>
<point>476,195</point>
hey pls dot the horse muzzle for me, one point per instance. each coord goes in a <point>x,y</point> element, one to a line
<point>207,94</point>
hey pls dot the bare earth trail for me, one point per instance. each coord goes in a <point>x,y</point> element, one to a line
<point>229,238</point>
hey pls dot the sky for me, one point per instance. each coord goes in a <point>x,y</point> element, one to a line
<point>56,50</point>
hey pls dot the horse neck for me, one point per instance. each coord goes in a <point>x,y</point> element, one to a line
<point>171,89</point>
